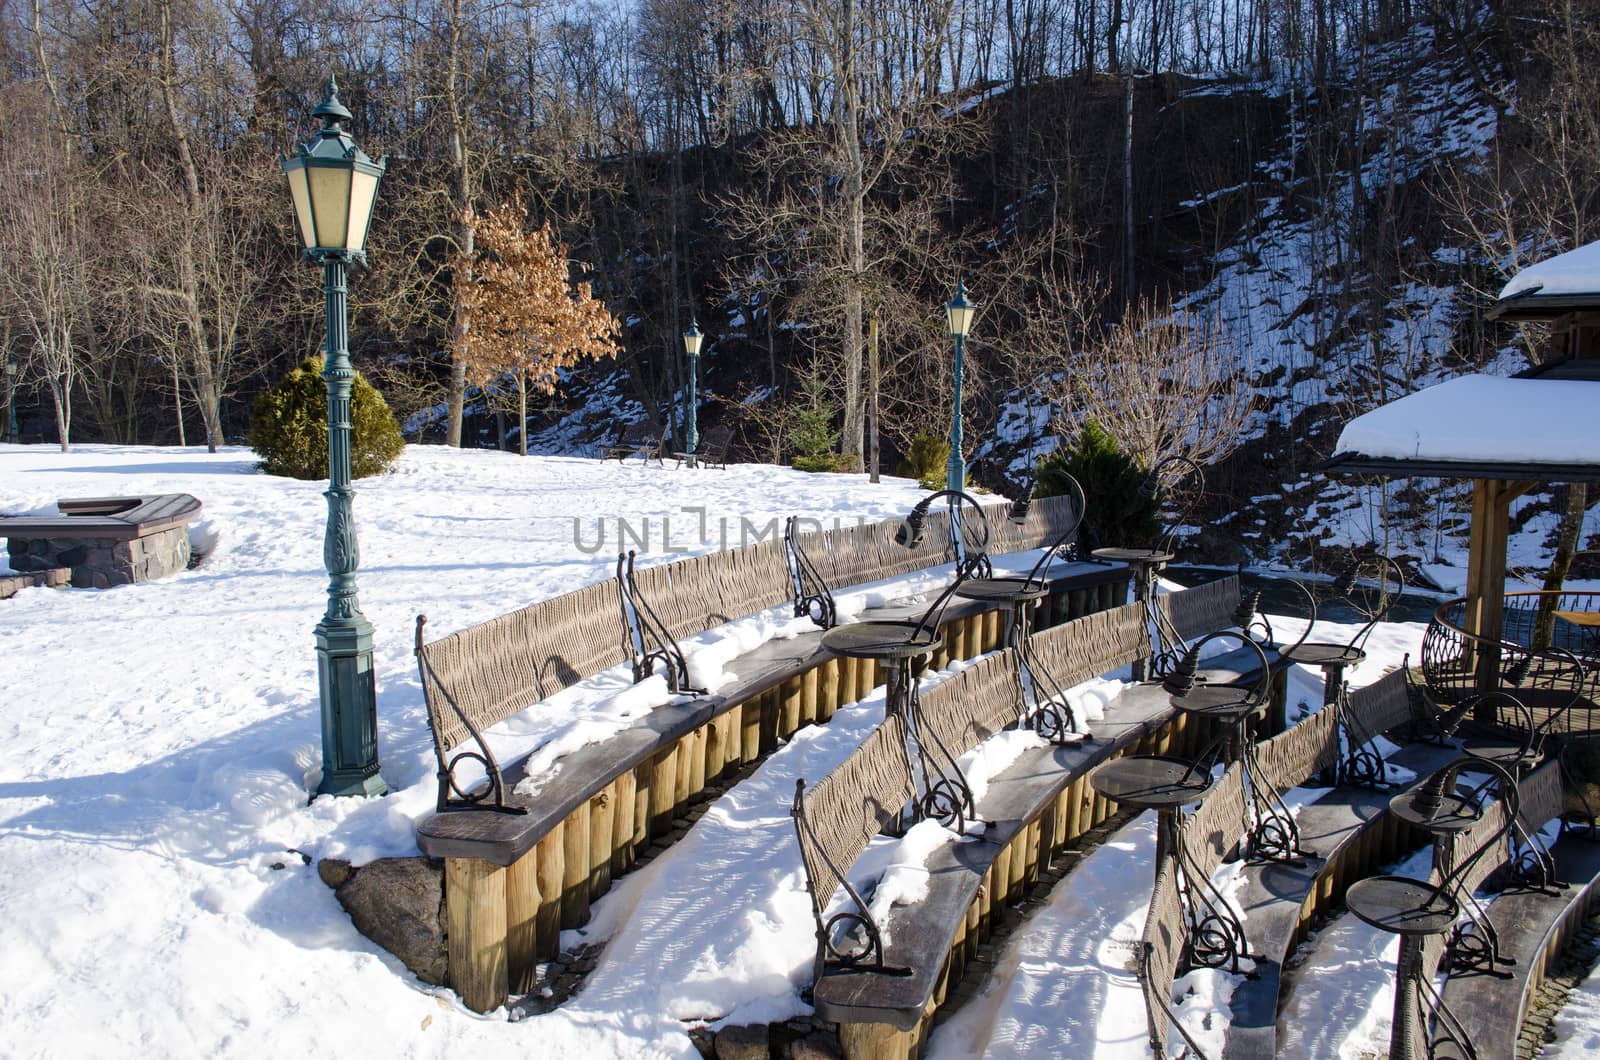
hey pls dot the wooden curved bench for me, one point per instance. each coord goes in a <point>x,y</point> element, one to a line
<point>1533,926</point>
<point>1347,834</point>
<point>517,875</point>
<point>1344,835</point>
<point>1036,807</point>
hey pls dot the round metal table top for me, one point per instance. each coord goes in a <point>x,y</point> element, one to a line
<point>1454,814</point>
<point>1133,555</point>
<point>1325,655</point>
<point>880,640</point>
<point>1151,782</point>
<point>1003,590</point>
<point>1401,906</point>
<point>1215,701</point>
<point>1503,750</point>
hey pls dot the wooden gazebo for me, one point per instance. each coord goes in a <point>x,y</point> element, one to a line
<point>1508,435</point>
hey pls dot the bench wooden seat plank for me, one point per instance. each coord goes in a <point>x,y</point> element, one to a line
<point>502,838</point>
<point>921,934</point>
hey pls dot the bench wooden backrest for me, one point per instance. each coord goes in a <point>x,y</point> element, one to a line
<point>1301,751</point>
<point>1163,939</point>
<point>1203,609</point>
<point>715,441</point>
<point>700,593</point>
<point>1543,797</point>
<point>1087,647</point>
<point>853,803</point>
<point>855,555</point>
<point>1433,952</point>
<point>1217,825</point>
<point>507,664</point>
<point>1539,800</point>
<point>644,432</point>
<point>1383,705</point>
<point>975,704</point>
<point>1046,519</point>
<point>1461,845</point>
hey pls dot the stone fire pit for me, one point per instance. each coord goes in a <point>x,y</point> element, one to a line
<point>103,541</point>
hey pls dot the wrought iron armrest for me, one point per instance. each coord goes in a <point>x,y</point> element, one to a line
<point>1065,541</point>
<point>451,795</point>
<point>813,598</point>
<point>649,642</point>
<point>867,955</point>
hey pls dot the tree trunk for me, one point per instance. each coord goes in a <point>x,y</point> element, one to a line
<point>466,232</point>
<point>207,389</point>
<point>850,439</point>
<point>177,400</point>
<point>61,396</point>
<point>1566,549</point>
<point>872,398</point>
<point>1127,188</point>
<point>522,413</point>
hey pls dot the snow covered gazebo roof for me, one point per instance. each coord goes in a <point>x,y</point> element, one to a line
<point>1478,426</point>
<point>1566,283</point>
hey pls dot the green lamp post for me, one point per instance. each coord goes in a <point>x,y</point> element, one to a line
<point>691,346</point>
<point>334,185</point>
<point>959,313</point>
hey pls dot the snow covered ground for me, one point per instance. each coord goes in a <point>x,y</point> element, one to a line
<point>1578,1026</point>
<point>164,738</point>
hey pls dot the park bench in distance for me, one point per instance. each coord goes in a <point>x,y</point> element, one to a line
<point>643,439</point>
<point>712,450</point>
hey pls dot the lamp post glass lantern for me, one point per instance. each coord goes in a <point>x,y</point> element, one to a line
<point>959,313</point>
<point>333,185</point>
<point>691,346</point>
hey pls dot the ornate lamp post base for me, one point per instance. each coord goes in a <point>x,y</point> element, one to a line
<point>348,686</point>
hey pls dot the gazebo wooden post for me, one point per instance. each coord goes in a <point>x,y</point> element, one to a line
<point>1486,577</point>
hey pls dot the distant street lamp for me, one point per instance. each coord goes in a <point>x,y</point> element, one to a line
<point>691,345</point>
<point>11,397</point>
<point>334,185</point>
<point>960,312</point>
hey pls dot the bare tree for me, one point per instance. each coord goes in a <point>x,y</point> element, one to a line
<point>44,285</point>
<point>1162,385</point>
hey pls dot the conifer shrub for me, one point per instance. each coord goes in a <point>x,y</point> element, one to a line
<point>827,462</point>
<point>812,432</point>
<point>927,460</point>
<point>289,427</point>
<point>1119,511</point>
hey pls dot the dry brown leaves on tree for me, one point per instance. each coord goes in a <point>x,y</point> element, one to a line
<point>528,319</point>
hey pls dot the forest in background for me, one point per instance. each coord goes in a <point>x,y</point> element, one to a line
<point>798,176</point>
